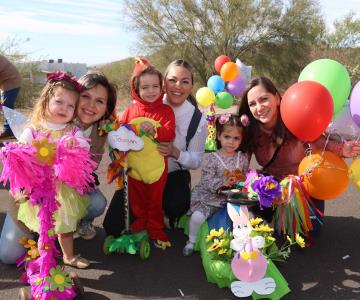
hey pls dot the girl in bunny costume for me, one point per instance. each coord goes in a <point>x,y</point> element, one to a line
<point>223,168</point>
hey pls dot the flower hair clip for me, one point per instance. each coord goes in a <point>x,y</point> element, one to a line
<point>223,119</point>
<point>59,76</point>
<point>244,119</point>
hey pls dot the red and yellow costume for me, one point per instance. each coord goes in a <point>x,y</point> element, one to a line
<point>148,169</point>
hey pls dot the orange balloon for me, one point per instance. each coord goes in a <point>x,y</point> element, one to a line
<point>229,71</point>
<point>329,179</point>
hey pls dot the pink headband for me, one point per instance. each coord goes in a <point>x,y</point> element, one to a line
<point>59,76</point>
<point>223,119</point>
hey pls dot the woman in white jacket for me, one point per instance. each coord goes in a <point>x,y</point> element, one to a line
<point>186,151</point>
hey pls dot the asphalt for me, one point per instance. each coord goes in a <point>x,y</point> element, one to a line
<point>330,269</point>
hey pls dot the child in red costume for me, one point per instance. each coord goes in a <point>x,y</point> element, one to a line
<point>157,124</point>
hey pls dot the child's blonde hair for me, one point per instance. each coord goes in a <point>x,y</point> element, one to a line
<point>42,103</point>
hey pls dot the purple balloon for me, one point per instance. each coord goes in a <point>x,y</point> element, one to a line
<point>355,104</point>
<point>236,86</point>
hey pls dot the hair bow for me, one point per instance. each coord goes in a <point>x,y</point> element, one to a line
<point>61,76</point>
<point>223,119</point>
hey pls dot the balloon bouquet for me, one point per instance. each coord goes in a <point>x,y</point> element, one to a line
<point>312,107</point>
<point>221,90</point>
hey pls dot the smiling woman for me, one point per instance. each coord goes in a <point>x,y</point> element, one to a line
<point>97,102</point>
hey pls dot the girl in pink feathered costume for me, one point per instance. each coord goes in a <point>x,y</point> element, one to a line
<point>53,116</point>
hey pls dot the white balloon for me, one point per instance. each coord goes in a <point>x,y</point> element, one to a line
<point>343,125</point>
<point>244,70</point>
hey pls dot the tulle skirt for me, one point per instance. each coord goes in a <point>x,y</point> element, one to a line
<point>72,208</point>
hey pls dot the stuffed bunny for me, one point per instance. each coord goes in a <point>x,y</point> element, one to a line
<point>249,264</point>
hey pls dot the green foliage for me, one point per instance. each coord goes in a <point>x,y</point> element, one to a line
<point>259,32</point>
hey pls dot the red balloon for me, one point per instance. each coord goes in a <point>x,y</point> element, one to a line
<point>219,61</point>
<point>306,109</point>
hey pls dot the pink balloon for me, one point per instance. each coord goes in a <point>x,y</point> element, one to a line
<point>236,86</point>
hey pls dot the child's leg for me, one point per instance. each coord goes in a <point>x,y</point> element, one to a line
<point>197,218</point>
<point>137,199</point>
<point>66,241</point>
<point>155,215</point>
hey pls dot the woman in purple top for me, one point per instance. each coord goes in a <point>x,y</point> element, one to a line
<point>276,149</point>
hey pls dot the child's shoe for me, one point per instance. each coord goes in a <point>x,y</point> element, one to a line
<point>162,244</point>
<point>188,249</point>
<point>77,262</point>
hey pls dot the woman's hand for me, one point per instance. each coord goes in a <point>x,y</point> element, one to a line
<point>168,149</point>
<point>351,149</point>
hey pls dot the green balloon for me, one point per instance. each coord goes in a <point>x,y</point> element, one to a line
<point>331,75</point>
<point>224,100</point>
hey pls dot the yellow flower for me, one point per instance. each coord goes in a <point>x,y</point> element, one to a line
<point>45,150</point>
<point>300,240</point>
<point>222,251</point>
<point>28,243</point>
<point>33,252</point>
<point>215,234</point>
<point>264,228</point>
<point>216,245</point>
<point>256,221</point>
<point>270,238</point>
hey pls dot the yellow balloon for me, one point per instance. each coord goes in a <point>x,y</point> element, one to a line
<point>354,172</point>
<point>205,96</point>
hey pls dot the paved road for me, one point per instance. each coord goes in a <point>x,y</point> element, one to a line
<point>328,270</point>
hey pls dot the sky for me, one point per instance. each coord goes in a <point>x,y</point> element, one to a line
<point>90,31</point>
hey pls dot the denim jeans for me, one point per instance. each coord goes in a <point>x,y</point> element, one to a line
<point>97,206</point>
<point>10,248</point>
<point>8,99</point>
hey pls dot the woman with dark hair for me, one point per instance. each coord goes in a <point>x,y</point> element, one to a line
<point>276,149</point>
<point>97,103</point>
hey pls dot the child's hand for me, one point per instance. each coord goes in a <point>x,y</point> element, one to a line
<point>70,142</point>
<point>148,127</point>
<point>230,181</point>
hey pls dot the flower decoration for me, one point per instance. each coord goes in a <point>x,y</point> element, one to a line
<point>300,240</point>
<point>33,252</point>
<point>215,234</point>
<point>46,247</point>
<point>58,279</point>
<point>267,189</point>
<point>61,76</point>
<point>220,247</point>
<point>45,150</point>
<point>210,116</point>
<point>28,243</point>
<point>244,119</point>
<point>224,118</point>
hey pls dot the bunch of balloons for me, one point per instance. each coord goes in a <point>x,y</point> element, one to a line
<point>317,103</point>
<point>222,88</point>
<point>321,91</point>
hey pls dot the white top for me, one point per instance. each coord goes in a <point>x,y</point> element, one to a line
<point>190,159</point>
<point>27,134</point>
